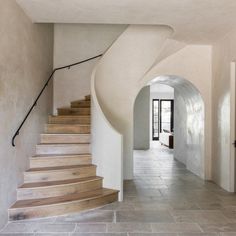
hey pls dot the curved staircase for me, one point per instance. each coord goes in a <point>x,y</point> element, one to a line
<point>62,178</point>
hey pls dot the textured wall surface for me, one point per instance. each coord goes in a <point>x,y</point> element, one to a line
<point>25,63</point>
<point>189,135</point>
<point>73,43</point>
<point>224,52</point>
<point>180,129</point>
<point>142,120</point>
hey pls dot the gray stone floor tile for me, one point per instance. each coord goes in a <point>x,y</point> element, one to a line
<point>144,216</point>
<point>152,234</point>
<point>176,228</point>
<point>220,227</point>
<point>99,234</point>
<point>228,234</point>
<point>88,217</point>
<point>199,216</point>
<point>91,228</point>
<point>129,227</point>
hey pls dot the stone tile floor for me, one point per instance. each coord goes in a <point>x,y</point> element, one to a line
<point>164,199</point>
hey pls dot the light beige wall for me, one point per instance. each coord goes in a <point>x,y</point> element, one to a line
<point>142,120</point>
<point>73,43</point>
<point>224,52</point>
<point>26,53</point>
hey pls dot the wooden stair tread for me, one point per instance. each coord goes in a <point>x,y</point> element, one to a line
<point>55,168</point>
<point>61,144</point>
<point>58,155</point>
<point>66,134</point>
<point>63,199</point>
<point>70,116</point>
<point>59,182</point>
<point>68,125</point>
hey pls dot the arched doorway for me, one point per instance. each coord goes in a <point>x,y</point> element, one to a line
<point>189,128</point>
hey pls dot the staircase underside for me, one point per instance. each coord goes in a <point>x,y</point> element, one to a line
<point>62,178</point>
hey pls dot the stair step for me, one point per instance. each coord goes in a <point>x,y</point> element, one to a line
<point>83,119</point>
<point>59,160</point>
<point>80,148</point>
<point>88,97</point>
<point>67,129</point>
<point>81,103</point>
<point>59,173</point>
<point>28,209</point>
<point>58,188</point>
<point>73,111</point>
<point>65,138</point>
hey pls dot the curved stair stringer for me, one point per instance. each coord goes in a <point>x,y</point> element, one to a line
<point>107,145</point>
<point>115,80</point>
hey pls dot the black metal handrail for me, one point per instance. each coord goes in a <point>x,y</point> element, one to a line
<point>45,85</point>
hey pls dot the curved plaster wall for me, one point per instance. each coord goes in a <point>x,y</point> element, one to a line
<point>107,146</point>
<point>127,60</point>
<point>189,129</point>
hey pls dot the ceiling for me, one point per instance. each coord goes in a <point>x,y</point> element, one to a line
<point>194,21</point>
<point>161,88</point>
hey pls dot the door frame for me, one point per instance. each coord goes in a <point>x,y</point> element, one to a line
<point>232,126</point>
<point>171,112</point>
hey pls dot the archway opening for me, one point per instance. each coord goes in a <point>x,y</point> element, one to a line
<point>180,123</point>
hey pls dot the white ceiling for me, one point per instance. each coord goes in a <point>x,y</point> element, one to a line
<point>161,88</point>
<point>194,21</point>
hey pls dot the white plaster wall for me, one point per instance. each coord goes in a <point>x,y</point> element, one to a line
<point>180,128</point>
<point>25,63</point>
<point>224,52</point>
<point>73,43</point>
<point>142,120</point>
<point>107,148</point>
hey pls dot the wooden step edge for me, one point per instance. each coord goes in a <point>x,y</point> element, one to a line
<point>36,157</point>
<point>64,134</point>
<point>73,108</point>
<point>58,183</point>
<point>70,116</point>
<point>58,168</point>
<point>62,144</point>
<point>67,125</point>
<point>86,197</point>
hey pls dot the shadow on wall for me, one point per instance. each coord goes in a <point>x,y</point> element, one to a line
<point>189,127</point>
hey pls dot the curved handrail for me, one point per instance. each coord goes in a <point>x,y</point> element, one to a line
<point>40,93</point>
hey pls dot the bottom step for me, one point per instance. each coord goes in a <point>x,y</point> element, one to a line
<point>54,206</point>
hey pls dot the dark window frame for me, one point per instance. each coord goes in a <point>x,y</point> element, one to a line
<point>171,116</point>
<point>153,101</point>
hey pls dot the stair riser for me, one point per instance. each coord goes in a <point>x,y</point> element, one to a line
<point>60,209</point>
<point>63,150</point>
<point>69,120</point>
<point>74,111</point>
<point>36,176</point>
<point>80,105</point>
<point>54,191</point>
<point>67,129</point>
<point>88,98</point>
<point>60,161</point>
<point>57,138</point>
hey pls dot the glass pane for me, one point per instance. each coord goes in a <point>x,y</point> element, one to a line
<point>166,115</point>
<point>155,119</point>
